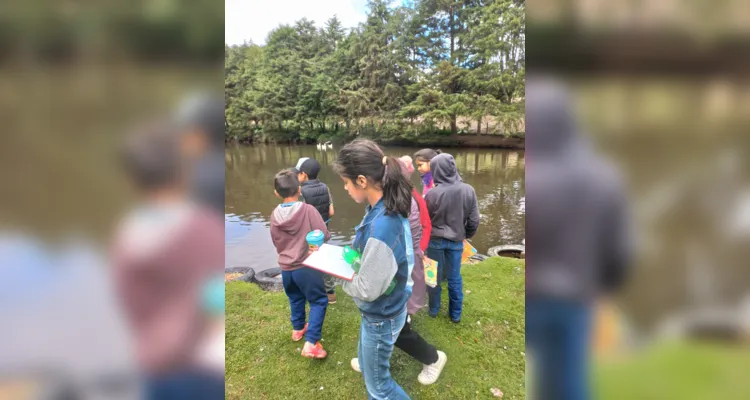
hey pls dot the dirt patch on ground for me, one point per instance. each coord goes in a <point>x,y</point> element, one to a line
<point>231,275</point>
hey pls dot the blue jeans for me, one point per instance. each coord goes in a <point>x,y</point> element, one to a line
<point>376,341</point>
<point>557,335</point>
<point>447,253</point>
<point>185,385</point>
<point>305,285</point>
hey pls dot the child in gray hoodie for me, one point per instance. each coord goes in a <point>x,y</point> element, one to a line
<point>454,213</point>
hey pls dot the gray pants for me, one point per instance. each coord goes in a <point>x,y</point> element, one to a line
<point>330,283</point>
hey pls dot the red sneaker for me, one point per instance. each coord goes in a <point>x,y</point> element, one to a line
<point>311,351</point>
<point>297,335</point>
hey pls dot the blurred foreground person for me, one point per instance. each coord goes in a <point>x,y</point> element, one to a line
<point>579,247</point>
<point>200,119</point>
<point>166,253</point>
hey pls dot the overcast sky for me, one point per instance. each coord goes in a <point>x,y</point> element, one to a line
<point>251,20</point>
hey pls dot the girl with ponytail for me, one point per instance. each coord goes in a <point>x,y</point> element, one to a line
<point>384,241</point>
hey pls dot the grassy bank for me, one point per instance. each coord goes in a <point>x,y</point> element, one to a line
<point>516,141</point>
<point>679,370</point>
<point>485,351</point>
<point>479,141</point>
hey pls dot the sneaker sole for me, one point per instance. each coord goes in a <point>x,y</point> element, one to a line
<point>445,361</point>
<point>308,355</point>
<point>302,335</point>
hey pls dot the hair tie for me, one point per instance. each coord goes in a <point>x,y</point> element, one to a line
<point>385,160</point>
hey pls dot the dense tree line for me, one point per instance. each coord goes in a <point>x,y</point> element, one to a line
<point>139,30</point>
<point>422,67</point>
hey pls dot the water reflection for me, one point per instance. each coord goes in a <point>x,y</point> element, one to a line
<point>497,177</point>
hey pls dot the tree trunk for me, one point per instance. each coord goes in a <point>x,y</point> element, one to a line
<point>452,34</point>
<point>454,125</point>
<point>479,126</point>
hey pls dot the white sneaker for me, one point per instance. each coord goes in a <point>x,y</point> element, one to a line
<point>355,365</point>
<point>431,373</point>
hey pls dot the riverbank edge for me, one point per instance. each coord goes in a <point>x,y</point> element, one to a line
<point>486,350</point>
<point>478,141</point>
<point>451,141</point>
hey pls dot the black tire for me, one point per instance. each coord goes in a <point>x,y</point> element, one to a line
<point>269,279</point>
<point>248,274</point>
<point>508,250</point>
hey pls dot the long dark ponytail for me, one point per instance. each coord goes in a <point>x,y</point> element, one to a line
<point>364,157</point>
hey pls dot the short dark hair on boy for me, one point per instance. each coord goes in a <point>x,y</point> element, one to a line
<point>150,156</point>
<point>286,183</point>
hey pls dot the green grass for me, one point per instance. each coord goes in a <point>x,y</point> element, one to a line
<point>679,370</point>
<point>263,363</point>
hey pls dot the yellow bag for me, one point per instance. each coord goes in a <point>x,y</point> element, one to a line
<point>430,271</point>
<point>469,251</point>
<point>607,335</point>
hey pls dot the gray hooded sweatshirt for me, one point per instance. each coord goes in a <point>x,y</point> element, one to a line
<point>452,204</point>
<point>576,223</point>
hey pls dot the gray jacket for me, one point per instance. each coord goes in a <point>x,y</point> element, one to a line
<point>576,224</point>
<point>452,204</point>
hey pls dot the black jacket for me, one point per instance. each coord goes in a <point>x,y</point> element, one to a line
<point>316,194</point>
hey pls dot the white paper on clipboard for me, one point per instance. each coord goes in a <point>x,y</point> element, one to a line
<point>329,259</point>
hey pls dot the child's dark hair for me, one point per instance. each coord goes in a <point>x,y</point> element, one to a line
<point>151,156</point>
<point>426,155</point>
<point>286,183</point>
<point>364,157</point>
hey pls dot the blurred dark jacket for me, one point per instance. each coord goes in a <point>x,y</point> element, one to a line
<point>576,224</point>
<point>208,180</point>
<point>204,112</point>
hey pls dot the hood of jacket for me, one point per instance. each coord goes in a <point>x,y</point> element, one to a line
<point>444,171</point>
<point>289,219</point>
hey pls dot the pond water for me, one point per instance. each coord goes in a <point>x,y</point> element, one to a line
<point>496,175</point>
